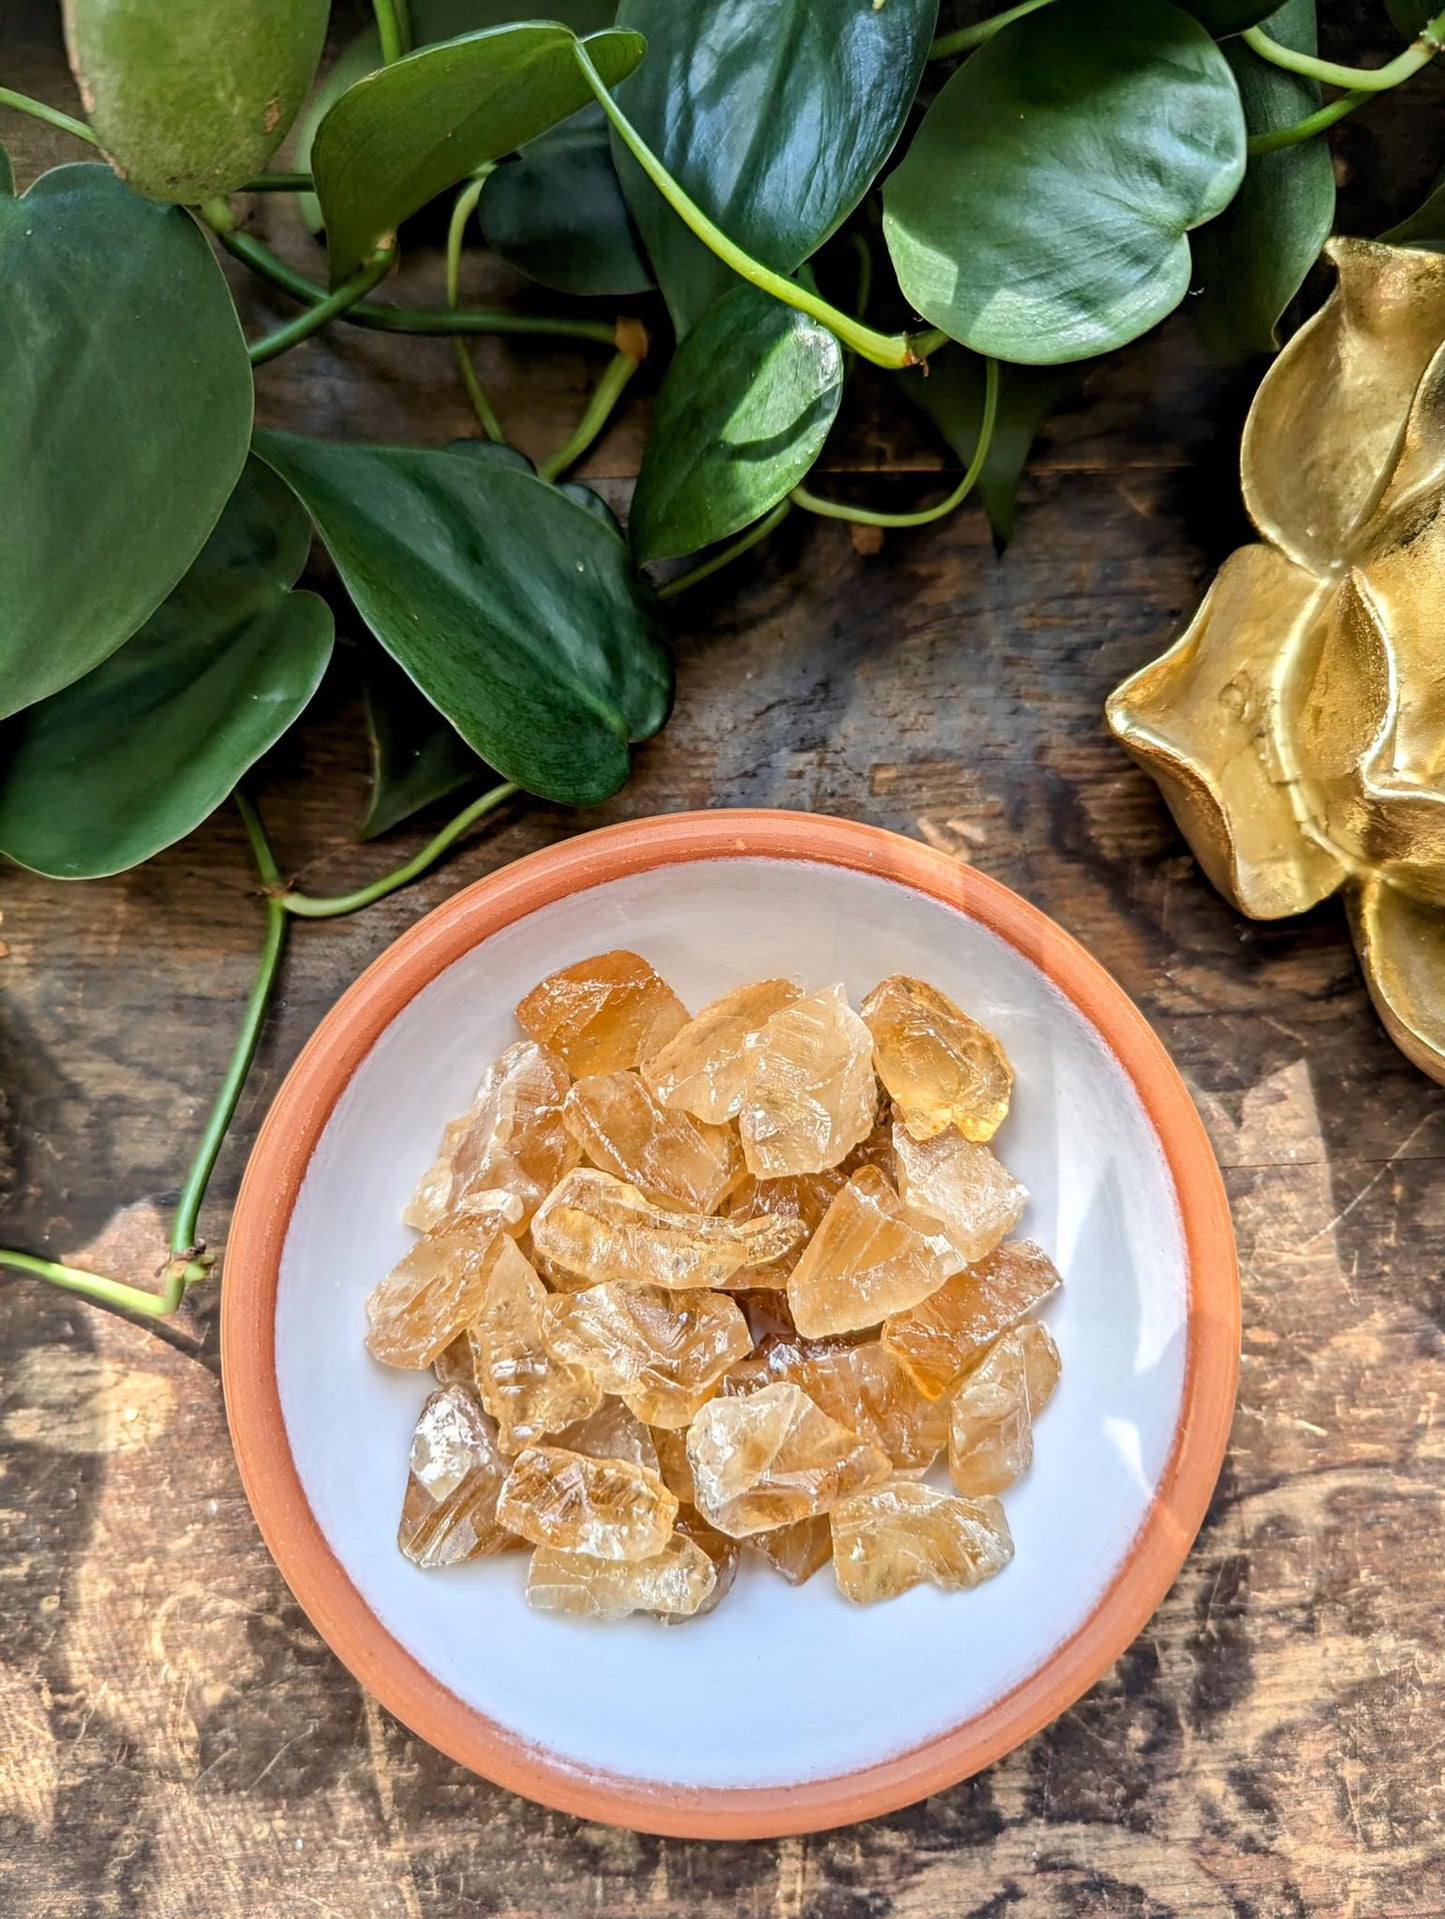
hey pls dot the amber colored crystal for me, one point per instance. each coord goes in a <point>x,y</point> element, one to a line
<point>870,1257</point>
<point>675,1582</point>
<point>992,1409</point>
<point>796,1551</point>
<point>875,1150</point>
<point>607,1508</point>
<point>602,1015</point>
<point>810,1095</point>
<point>772,1457</point>
<point>450,1511</point>
<point>942,1068</point>
<point>907,1533</point>
<point>436,1290</point>
<point>661,1353</point>
<point>523,1384</point>
<point>612,1432</point>
<point>703,1067</point>
<point>512,1138</point>
<point>870,1390</point>
<point>671,1444</point>
<point>620,1126</point>
<point>938,1339</point>
<point>605,1229</point>
<point>428,1204</point>
<point>725,1554</point>
<point>802,1198</point>
<point>455,1364</point>
<point>965,1187</point>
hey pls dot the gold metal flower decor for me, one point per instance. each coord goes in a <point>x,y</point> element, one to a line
<point>1298,727</point>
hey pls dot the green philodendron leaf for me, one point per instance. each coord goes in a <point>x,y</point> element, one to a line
<point>1250,262</point>
<point>742,415</point>
<point>417,757</point>
<point>557,214</point>
<point>125,411</point>
<point>1411,17</point>
<point>1425,227</point>
<point>135,755</point>
<point>1224,17</point>
<point>515,610</point>
<point>775,116</point>
<point>1042,211</point>
<point>189,100</point>
<point>396,139</point>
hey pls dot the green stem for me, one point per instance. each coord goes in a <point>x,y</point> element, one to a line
<point>462,211</point>
<point>864,516</point>
<point>884,349</point>
<point>305,907</point>
<point>1357,79</point>
<point>111,1292</point>
<point>52,116</point>
<point>325,311</point>
<point>393,23</point>
<point>682,581</point>
<point>1306,129</point>
<point>595,415</point>
<point>967,38</point>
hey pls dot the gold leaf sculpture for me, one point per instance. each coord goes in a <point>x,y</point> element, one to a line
<point>1298,728</point>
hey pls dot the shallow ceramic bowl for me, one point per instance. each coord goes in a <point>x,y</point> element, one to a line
<point>788,1709</point>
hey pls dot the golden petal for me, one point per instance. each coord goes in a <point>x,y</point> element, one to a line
<point>1204,720</point>
<point>1329,420</point>
<point>1402,567</point>
<point>1401,944</point>
<point>1345,706</point>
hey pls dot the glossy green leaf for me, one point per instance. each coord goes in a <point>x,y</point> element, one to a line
<point>417,757</point>
<point>189,100</point>
<point>1042,211</point>
<point>135,755</point>
<point>1412,16</point>
<point>7,176</point>
<point>396,139</point>
<point>557,214</point>
<point>125,410</point>
<point>1223,17</point>
<point>515,610</point>
<point>1250,262</point>
<point>1425,227</point>
<point>742,415</point>
<point>775,116</point>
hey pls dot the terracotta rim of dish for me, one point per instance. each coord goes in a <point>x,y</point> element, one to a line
<point>272,1183</point>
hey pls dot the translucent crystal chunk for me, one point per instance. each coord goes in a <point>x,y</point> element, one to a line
<point>772,1457</point>
<point>619,1124</point>
<point>449,1514</point>
<point>796,1551</point>
<point>523,1384</point>
<point>428,1204</point>
<point>676,1582</point>
<point>671,1444</point>
<point>938,1339</point>
<point>703,1066</point>
<point>513,1138</point>
<point>607,1508</point>
<point>724,1553</point>
<point>662,1354</point>
<point>906,1533</point>
<point>870,1257</point>
<point>941,1067</point>
<point>992,1409</point>
<point>974,1198</point>
<point>810,1095</point>
<point>602,1015</point>
<point>612,1432</point>
<point>437,1289</point>
<point>869,1390</point>
<point>605,1229</point>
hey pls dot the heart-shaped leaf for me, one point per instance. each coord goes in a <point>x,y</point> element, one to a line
<point>557,214</point>
<point>417,757</point>
<point>189,100</point>
<point>1042,210</point>
<point>1250,262</point>
<point>125,397</point>
<point>136,754</point>
<point>742,415</point>
<point>396,139</point>
<point>515,610</point>
<point>775,116</point>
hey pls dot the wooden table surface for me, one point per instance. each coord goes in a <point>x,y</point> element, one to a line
<point>175,1742</point>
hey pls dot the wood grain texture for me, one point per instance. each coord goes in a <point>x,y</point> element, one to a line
<point>174,1741</point>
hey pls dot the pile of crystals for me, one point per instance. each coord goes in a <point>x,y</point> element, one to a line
<point>696,1285</point>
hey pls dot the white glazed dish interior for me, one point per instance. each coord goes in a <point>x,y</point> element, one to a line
<point>781,1684</point>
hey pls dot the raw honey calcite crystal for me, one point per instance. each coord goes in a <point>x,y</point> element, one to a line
<point>871,1256</point>
<point>942,1068</point>
<point>992,1409</point>
<point>523,1384</point>
<point>621,1127</point>
<point>612,1432</point>
<point>869,1390</point>
<point>772,1457</point>
<point>437,1289</point>
<point>725,1554</point>
<point>661,1354</point>
<point>513,1139</point>
<point>906,1533</point>
<point>449,1514</point>
<point>675,1582</point>
<point>950,1329</point>
<point>963,1185</point>
<point>810,1094</point>
<point>607,1508</point>
<point>703,1068</point>
<point>671,1444</point>
<point>602,1015</point>
<point>797,1551</point>
<point>605,1229</point>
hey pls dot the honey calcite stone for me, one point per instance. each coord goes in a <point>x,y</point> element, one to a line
<point>612,1432</point>
<point>602,1015</point>
<point>907,1533</point>
<point>949,1330</point>
<point>661,1354</point>
<point>436,1291</point>
<point>796,1552</point>
<point>513,1138</point>
<point>671,1444</point>
<point>677,1582</point>
<point>725,1554</point>
<point>810,1095</point>
<point>449,1514</point>
<point>523,1384</point>
<point>942,1068</point>
<point>992,1409</point>
<point>870,1390</point>
<point>428,1204</point>
<point>773,1457</point>
<point>703,1068</point>
<point>621,1127</point>
<point>605,1229</point>
<point>607,1508</point>
<point>871,1256</point>
<point>965,1187</point>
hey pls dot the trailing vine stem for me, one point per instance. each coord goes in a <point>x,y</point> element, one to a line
<point>393,25</point>
<point>1317,122</point>
<point>313,319</point>
<point>52,116</point>
<point>598,410</point>
<point>680,582</point>
<point>463,209</point>
<point>1429,41</point>
<point>947,45</point>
